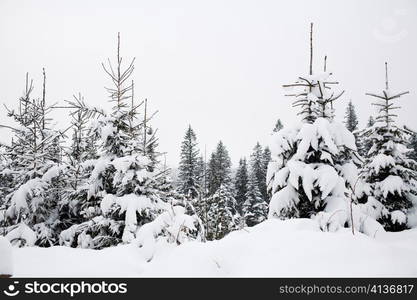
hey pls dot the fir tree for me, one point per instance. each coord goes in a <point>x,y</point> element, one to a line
<point>241,184</point>
<point>222,213</point>
<point>188,168</point>
<point>389,172</point>
<point>35,162</point>
<point>351,120</point>
<point>219,169</point>
<point>222,210</point>
<point>313,164</point>
<point>127,181</point>
<point>259,160</point>
<point>266,159</point>
<point>255,208</point>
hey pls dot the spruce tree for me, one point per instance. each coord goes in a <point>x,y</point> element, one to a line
<point>387,169</point>
<point>313,164</point>
<point>351,120</point>
<point>222,213</point>
<point>255,208</point>
<point>241,184</point>
<point>128,182</point>
<point>219,169</point>
<point>35,159</point>
<point>266,159</point>
<point>259,160</point>
<point>188,168</point>
<point>222,210</point>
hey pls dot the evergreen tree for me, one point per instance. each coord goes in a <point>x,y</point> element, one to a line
<point>278,126</point>
<point>313,164</point>
<point>255,209</point>
<point>222,213</point>
<point>188,169</point>
<point>266,159</point>
<point>219,169</point>
<point>222,209</point>
<point>351,120</point>
<point>241,184</point>
<point>38,184</point>
<point>126,180</point>
<point>388,170</point>
<point>259,160</point>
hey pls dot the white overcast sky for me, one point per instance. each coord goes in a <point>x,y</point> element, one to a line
<point>217,65</point>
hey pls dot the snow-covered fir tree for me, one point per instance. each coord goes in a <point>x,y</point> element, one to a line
<point>313,163</point>
<point>222,214</point>
<point>219,169</point>
<point>76,207</point>
<point>241,184</point>
<point>351,119</point>
<point>259,161</point>
<point>221,204</point>
<point>189,183</point>
<point>255,208</point>
<point>388,170</point>
<point>266,158</point>
<point>126,180</point>
<point>32,204</point>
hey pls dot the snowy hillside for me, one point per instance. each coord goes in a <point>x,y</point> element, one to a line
<point>273,248</point>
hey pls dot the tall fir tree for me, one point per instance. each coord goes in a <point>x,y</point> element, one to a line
<point>259,160</point>
<point>266,159</point>
<point>219,169</point>
<point>223,215</point>
<point>188,168</point>
<point>241,184</point>
<point>389,172</point>
<point>32,204</point>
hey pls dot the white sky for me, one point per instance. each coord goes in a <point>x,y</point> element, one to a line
<point>218,65</point>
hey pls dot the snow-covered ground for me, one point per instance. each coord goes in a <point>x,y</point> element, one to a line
<point>274,248</point>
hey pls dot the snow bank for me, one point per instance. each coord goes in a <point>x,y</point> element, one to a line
<point>61,261</point>
<point>6,260</point>
<point>274,248</point>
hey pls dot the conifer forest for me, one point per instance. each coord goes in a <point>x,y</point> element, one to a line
<point>91,186</point>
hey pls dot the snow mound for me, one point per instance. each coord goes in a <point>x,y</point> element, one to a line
<point>274,248</point>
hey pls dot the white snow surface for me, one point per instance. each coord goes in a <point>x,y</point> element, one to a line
<point>6,258</point>
<point>274,248</point>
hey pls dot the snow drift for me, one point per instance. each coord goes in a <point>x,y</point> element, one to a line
<point>274,248</point>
